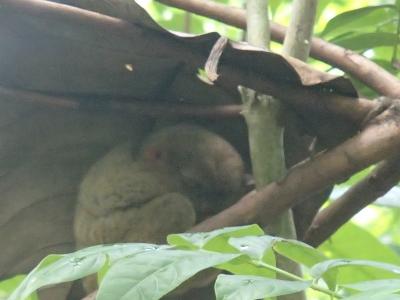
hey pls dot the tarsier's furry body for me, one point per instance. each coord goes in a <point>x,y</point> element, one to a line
<point>179,175</point>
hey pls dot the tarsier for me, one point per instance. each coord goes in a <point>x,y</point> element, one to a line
<point>178,176</point>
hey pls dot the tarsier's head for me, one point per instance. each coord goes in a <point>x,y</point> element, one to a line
<point>211,170</point>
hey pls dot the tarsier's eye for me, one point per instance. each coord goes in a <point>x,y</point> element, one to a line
<point>153,154</point>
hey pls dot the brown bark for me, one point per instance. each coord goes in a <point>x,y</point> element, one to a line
<point>378,141</point>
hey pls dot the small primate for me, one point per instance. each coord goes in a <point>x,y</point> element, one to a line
<point>177,177</point>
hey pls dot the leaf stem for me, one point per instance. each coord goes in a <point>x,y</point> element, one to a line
<point>313,286</point>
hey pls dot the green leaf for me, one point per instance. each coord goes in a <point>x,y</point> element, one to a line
<point>376,295</point>
<point>214,240</point>
<point>305,255</point>
<point>384,284</point>
<point>56,269</point>
<point>366,19</point>
<point>117,251</point>
<point>235,287</point>
<point>244,265</point>
<point>378,289</point>
<point>62,268</point>
<point>254,246</point>
<point>150,275</point>
<point>9,285</point>
<point>319,269</point>
<point>364,41</point>
<point>257,247</point>
<point>299,252</point>
<point>353,242</point>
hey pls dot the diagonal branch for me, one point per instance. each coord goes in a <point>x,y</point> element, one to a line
<point>378,141</point>
<point>379,182</point>
<point>356,65</point>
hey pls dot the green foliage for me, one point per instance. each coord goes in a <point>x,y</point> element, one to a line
<point>373,30</point>
<point>152,274</point>
<point>230,287</point>
<point>366,19</point>
<point>9,285</point>
<point>146,271</point>
<point>369,40</point>
<point>354,242</point>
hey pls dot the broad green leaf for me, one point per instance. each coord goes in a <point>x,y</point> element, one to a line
<point>367,296</point>
<point>254,246</point>
<point>354,242</point>
<point>62,268</point>
<point>235,287</point>
<point>366,19</point>
<point>319,269</point>
<point>150,275</point>
<point>380,295</point>
<point>364,41</point>
<point>56,269</point>
<point>376,289</point>
<point>384,284</point>
<point>9,285</point>
<point>117,251</point>
<point>304,255</point>
<point>214,240</point>
<point>299,252</point>
<point>244,265</point>
<point>257,247</point>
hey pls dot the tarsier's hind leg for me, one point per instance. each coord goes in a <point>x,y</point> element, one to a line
<point>150,223</point>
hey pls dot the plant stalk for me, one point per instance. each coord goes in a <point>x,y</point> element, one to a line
<point>262,113</point>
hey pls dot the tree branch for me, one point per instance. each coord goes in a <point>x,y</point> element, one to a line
<point>352,63</point>
<point>381,139</point>
<point>379,182</point>
<point>130,106</point>
<point>300,31</point>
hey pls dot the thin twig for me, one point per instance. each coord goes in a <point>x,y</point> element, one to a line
<point>376,184</point>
